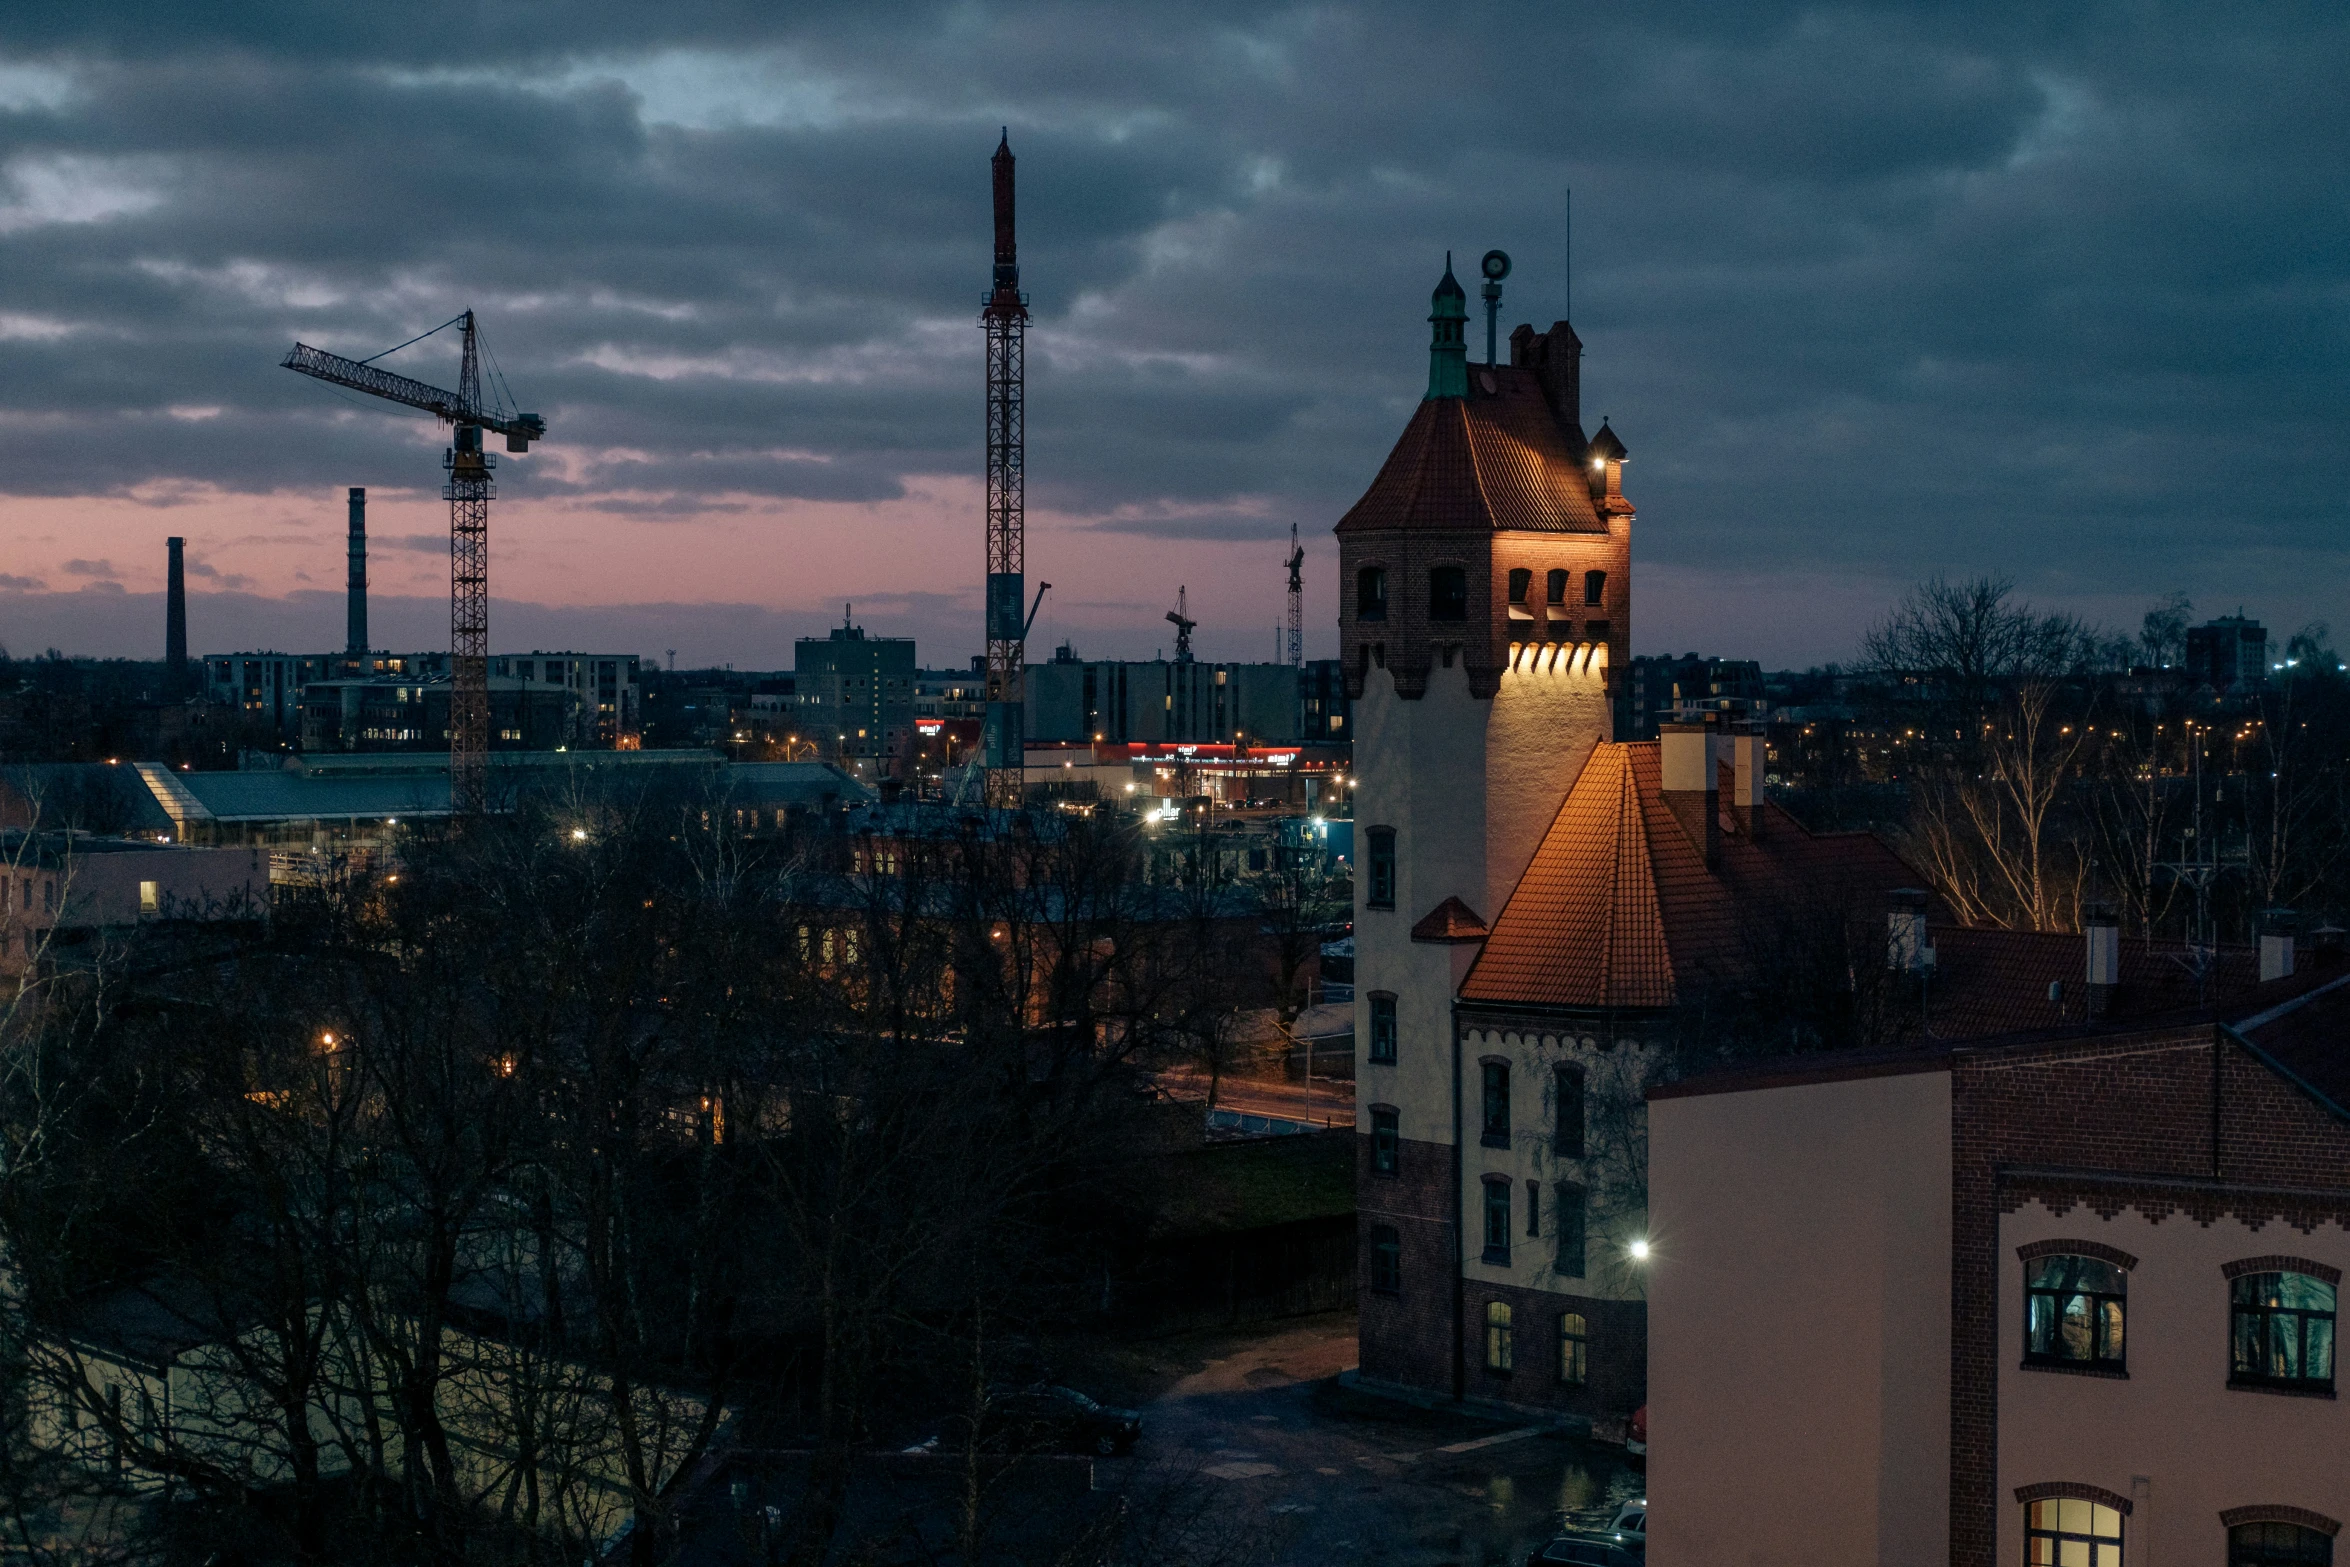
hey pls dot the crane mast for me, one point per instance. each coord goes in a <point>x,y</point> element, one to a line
<point>1005,318</point>
<point>469,491</point>
<point>1297,601</point>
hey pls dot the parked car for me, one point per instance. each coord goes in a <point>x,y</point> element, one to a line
<point>1057,1419</point>
<point>1632,1520</point>
<point>1587,1550</point>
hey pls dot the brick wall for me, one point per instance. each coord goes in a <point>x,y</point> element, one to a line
<point>1617,1359</point>
<point>1407,1337</point>
<point>2181,1106</point>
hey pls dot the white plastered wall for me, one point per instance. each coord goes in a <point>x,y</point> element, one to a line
<point>1469,785</point>
<point>1612,1168</point>
<point>1799,1325</point>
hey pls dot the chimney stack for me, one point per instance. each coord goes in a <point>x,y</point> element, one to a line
<point>1692,790</point>
<point>175,613</point>
<point>2277,929</point>
<point>1746,788</point>
<point>2103,929</point>
<point>355,627</point>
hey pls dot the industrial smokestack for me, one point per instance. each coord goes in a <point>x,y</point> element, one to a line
<point>355,631</point>
<point>175,613</point>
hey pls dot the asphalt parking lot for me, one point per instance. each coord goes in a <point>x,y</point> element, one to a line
<point>1263,1443</point>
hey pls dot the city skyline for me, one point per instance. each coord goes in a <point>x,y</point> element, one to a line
<point>1867,297</point>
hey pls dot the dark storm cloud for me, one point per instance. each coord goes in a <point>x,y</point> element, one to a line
<point>2055,290</point>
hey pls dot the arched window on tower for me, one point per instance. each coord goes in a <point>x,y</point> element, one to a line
<point>1448,593</point>
<point>1371,594</point>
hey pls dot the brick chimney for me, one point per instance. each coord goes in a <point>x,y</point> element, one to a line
<point>1556,358</point>
<point>1746,788</point>
<point>355,588</point>
<point>175,613</point>
<point>1692,790</point>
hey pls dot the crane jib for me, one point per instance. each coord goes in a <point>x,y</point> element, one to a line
<point>448,406</point>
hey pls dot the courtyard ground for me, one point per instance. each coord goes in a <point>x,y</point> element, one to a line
<point>1257,1434</point>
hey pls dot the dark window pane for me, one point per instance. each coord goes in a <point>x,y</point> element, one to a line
<point>1386,1143</point>
<point>1370,594</point>
<point>1448,593</point>
<point>1380,888</point>
<point>1573,1217</point>
<point>1556,585</point>
<point>1567,1142</point>
<point>1383,1028</point>
<point>2281,1330</point>
<point>1497,1101</point>
<point>1520,580</point>
<point>1497,1221</point>
<point>1594,587</point>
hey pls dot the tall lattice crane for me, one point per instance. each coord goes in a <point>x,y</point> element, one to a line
<point>469,491</point>
<point>1297,601</point>
<point>1005,316</point>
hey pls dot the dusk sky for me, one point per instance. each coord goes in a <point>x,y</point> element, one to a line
<point>1869,293</point>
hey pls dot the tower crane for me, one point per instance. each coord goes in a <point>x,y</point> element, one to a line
<point>1297,601</point>
<point>469,491</point>
<point>1179,617</point>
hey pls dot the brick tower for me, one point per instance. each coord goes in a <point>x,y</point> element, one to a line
<point>1485,608</point>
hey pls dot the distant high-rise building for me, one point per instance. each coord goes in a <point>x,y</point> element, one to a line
<point>857,698</point>
<point>2230,654</point>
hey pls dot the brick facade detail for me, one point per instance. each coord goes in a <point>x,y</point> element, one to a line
<point>2179,1122</point>
<point>2035,1250</point>
<point>1408,1337</point>
<point>2324,1271</point>
<point>1617,1351</point>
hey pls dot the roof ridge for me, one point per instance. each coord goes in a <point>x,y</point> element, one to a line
<point>1632,850</point>
<point>1476,464</point>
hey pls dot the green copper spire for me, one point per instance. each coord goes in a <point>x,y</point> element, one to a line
<point>1448,349</point>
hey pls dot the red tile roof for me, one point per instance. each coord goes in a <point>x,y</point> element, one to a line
<point>1496,460</point>
<point>1619,910</point>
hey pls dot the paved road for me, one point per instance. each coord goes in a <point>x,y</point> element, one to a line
<point>1264,1446</point>
<point>1326,1102</point>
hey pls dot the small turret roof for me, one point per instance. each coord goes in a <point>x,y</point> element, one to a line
<point>1449,291</point>
<point>1605,444</point>
<point>1495,460</point>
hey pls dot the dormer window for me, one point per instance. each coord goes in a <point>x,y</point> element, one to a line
<point>1448,593</point>
<point>1371,593</point>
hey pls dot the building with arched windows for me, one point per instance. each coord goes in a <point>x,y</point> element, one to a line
<point>2066,1296</point>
